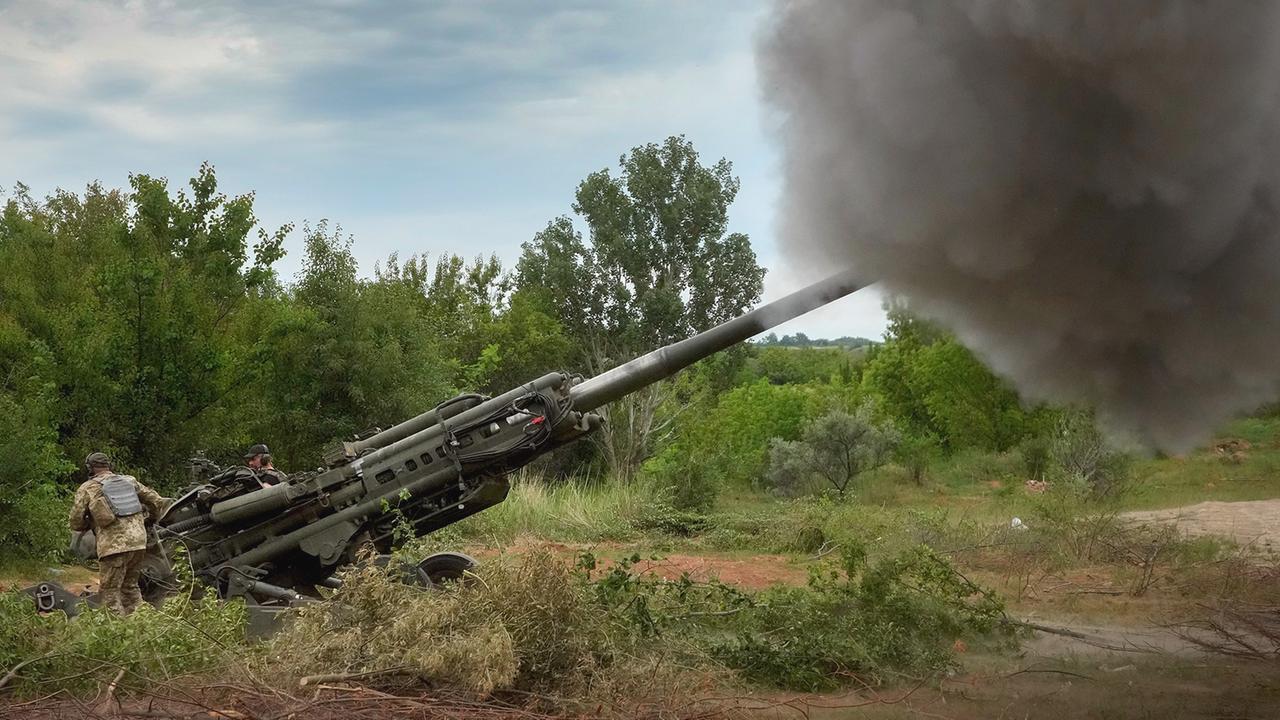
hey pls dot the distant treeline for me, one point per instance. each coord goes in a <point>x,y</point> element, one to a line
<point>801,340</point>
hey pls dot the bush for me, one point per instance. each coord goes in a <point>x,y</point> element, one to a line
<point>1083,456</point>
<point>695,490</point>
<point>915,453</point>
<point>183,636</point>
<point>834,450</point>
<point>1037,458</point>
<point>33,509</point>
<point>727,445</point>
<point>524,624</point>
<point>33,523</point>
<point>863,624</point>
<point>854,624</point>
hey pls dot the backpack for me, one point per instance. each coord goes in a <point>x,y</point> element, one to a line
<point>121,495</point>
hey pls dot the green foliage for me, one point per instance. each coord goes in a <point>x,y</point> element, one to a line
<point>695,489</point>
<point>658,265</point>
<point>915,455</point>
<point>783,366</point>
<point>861,624</point>
<point>932,386</point>
<point>974,468</point>
<point>855,624</point>
<point>79,655</point>
<point>726,445</point>
<point>342,355</point>
<point>32,508</point>
<point>834,450</point>
<point>1037,457</point>
<point>149,324</point>
<point>572,510</point>
<point>135,296</point>
<point>1083,457</point>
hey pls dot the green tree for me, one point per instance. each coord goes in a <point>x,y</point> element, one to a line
<point>522,342</point>
<point>784,365</point>
<point>934,387</point>
<point>725,443</point>
<point>134,295</point>
<point>342,354</point>
<point>834,450</point>
<point>32,510</point>
<point>658,264</point>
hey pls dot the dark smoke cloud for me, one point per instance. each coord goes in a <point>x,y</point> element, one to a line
<point>1085,191</point>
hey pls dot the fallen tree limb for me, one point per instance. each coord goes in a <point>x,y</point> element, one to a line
<point>13,673</point>
<point>109,696</point>
<point>340,677</point>
<point>1086,639</point>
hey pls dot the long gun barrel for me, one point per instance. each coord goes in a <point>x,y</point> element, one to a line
<point>644,370</point>
<point>667,361</point>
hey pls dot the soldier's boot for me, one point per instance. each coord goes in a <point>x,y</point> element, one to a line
<point>130,591</point>
<point>111,572</point>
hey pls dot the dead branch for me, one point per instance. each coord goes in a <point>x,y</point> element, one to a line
<point>1086,639</point>
<point>343,677</point>
<point>109,697</point>
<point>16,668</point>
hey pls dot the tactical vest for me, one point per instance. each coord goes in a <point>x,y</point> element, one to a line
<point>121,495</point>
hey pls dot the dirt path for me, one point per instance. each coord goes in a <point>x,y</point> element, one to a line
<point>1255,522</point>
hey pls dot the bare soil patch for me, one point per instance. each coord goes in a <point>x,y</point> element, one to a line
<point>754,572</point>
<point>1254,523</point>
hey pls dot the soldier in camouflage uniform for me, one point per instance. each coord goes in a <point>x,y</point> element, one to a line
<point>259,459</point>
<point>116,507</point>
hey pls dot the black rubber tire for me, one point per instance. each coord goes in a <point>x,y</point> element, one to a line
<point>446,567</point>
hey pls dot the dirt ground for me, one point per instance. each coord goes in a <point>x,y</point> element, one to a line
<point>1061,690</point>
<point>1253,523</point>
<point>752,572</point>
<point>1122,667</point>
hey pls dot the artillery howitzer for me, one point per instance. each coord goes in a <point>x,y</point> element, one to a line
<point>273,546</point>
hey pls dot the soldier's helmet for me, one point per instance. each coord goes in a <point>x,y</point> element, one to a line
<point>97,459</point>
<point>258,449</point>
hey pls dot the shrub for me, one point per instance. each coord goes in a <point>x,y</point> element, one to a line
<point>834,449</point>
<point>33,523</point>
<point>525,623</point>
<point>1036,457</point>
<point>915,453</point>
<point>727,445</point>
<point>183,636</point>
<point>863,624</point>
<point>1083,456</point>
<point>695,490</point>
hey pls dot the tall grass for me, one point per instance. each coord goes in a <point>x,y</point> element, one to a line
<point>573,510</point>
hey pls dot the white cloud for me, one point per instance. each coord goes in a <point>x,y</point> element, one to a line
<point>320,107</point>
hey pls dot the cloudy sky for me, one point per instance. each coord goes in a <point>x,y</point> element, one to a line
<point>451,126</point>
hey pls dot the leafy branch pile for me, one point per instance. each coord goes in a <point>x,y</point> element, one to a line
<point>857,624</point>
<point>46,653</point>
<point>530,622</point>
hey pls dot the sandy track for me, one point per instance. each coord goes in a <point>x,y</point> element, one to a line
<point>1255,522</point>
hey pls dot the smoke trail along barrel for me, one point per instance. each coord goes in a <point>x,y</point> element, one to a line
<point>665,361</point>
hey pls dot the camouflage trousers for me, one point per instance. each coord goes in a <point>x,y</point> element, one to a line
<point>118,581</point>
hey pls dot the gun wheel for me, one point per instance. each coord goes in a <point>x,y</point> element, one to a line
<point>445,567</point>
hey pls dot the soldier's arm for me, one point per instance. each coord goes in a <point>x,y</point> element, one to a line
<point>155,503</point>
<point>79,517</point>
